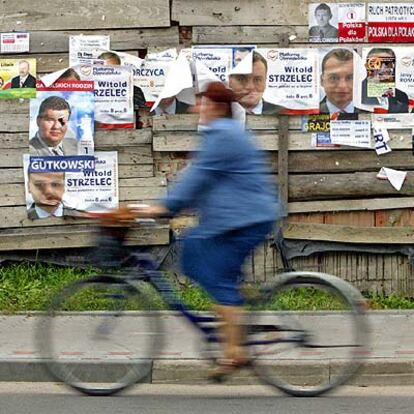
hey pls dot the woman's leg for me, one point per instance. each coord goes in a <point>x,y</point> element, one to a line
<point>232,332</point>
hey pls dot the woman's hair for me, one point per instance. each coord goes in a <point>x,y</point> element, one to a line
<point>220,94</point>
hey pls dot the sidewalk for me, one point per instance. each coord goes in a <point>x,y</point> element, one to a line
<point>390,362</point>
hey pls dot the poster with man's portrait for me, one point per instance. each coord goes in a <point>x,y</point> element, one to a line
<point>337,69</point>
<point>17,78</point>
<point>385,79</point>
<point>67,185</point>
<point>62,119</point>
<point>323,22</point>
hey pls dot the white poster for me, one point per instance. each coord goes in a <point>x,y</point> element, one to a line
<point>97,189</point>
<point>113,95</point>
<point>352,133</point>
<point>385,79</point>
<point>213,63</point>
<point>381,138</point>
<point>293,79</point>
<point>390,22</point>
<point>46,184</point>
<point>351,22</point>
<point>14,42</point>
<point>84,48</point>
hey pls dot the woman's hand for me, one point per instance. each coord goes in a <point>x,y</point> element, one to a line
<point>149,211</point>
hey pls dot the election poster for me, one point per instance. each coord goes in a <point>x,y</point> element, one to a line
<point>292,80</point>
<point>337,68</point>
<point>16,42</point>
<point>113,95</point>
<point>390,22</point>
<point>84,49</point>
<point>97,189</point>
<point>385,80</point>
<point>323,22</point>
<point>62,119</point>
<point>351,133</point>
<point>17,78</point>
<point>213,64</point>
<point>66,185</point>
<point>150,77</point>
<point>351,22</point>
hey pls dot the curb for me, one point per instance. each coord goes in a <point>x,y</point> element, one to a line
<point>374,372</point>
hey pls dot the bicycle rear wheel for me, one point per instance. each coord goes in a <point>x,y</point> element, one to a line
<point>106,347</point>
<point>308,334</point>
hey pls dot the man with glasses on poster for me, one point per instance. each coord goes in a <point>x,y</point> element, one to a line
<point>52,121</point>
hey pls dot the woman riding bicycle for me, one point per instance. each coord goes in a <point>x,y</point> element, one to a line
<point>230,186</point>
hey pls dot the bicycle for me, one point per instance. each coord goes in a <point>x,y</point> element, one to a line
<point>303,352</point>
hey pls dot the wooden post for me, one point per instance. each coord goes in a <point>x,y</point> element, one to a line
<point>283,173</point>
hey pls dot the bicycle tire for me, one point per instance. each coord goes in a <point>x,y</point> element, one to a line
<point>108,346</point>
<point>312,366</point>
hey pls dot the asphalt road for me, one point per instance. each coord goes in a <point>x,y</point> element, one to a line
<point>47,398</point>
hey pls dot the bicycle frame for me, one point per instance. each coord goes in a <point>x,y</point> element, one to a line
<point>146,269</point>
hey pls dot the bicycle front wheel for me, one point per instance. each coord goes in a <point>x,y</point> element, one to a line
<point>308,334</point>
<point>109,344</point>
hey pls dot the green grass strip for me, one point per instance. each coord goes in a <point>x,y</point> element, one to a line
<point>29,287</point>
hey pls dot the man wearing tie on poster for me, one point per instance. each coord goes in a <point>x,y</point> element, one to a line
<point>337,80</point>
<point>24,79</point>
<point>52,122</point>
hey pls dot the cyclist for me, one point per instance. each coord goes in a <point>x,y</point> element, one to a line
<point>230,186</point>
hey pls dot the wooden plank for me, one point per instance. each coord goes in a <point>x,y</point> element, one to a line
<point>134,171</point>
<point>115,138</point>
<point>104,139</point>
<point>14,140</point>
<point>356,218</point>
<point>12,195</point>
<point>248,34</point>
<point>122,39</point>
<point>240,13</point>
<point>345,161</point>
<point>265,36</point>
<point>141,193</point>
<point>15,175</point>
<point>126,155</point>
<point>269,141</point>
<point>14,106</point>
<point>306,218</point>
<point>76,236</point>
<point>189,122</point>
<point>11,175</point>
<point>394,218</point>
<point>283,162</point>
<point>349,234</point>
<point>358,185</point>
<point>348,205</point>
<point>14,122</point>
<point>70,14</point>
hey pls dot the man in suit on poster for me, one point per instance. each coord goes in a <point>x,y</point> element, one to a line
<point>47,191</point>
<point>249,88</point>
<point>337,80</point>
<point>24,79</point>
<point>52,121</point>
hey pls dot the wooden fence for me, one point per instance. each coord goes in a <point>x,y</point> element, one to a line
<point>332,194</point>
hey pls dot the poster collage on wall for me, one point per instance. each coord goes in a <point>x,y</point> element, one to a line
<point>329,86</point>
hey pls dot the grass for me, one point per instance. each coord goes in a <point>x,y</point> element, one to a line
<point>29,287</point>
